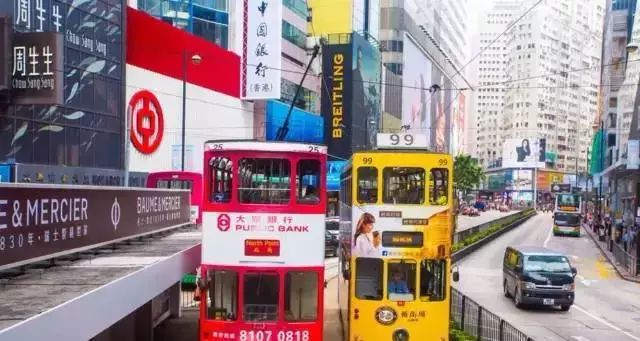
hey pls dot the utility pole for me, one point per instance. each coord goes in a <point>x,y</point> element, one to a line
<point>284,129</point>
<point>600,196</point>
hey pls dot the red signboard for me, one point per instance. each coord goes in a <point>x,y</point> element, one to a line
<point>147,121</point>
<point>255,247</point>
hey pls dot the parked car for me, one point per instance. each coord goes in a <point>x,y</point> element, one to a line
<point>538,276</point>
<point>330,244</point>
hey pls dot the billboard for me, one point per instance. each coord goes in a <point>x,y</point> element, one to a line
<point>303,126</point>
<point>262,49</point>
<point>441,107</point>
<point>416,81</point>
<point>336,107</point>
<point>334,170</point>
<point>522,180</point>
<point>38,221</point>
<point>523,153</point>
<point>365,95</point>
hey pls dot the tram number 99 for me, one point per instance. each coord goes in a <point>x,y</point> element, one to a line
<point>405,139</point>
<point>442,162</point>
<point>265,335</point>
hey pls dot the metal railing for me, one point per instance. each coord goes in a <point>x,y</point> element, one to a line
<point>624,258</point>
<point>459,236</point>
<point>187,297</point>
<point>474,319</point>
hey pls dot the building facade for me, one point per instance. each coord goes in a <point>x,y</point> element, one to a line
<point>208,19</point>
<point>553,82</point>
<point>61,115</point>
<point>430,101</point>
<point>489,75</point>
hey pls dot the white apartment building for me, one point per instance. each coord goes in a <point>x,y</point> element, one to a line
<point>551,90</point>
<point>489,73</point>
<point>446,22</point>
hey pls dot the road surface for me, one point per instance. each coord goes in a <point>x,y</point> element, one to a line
<point>607,307</point>
<point>466,222</point>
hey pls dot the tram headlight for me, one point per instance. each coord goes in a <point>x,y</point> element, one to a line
<point>386,316</point>
<point>400,335</point>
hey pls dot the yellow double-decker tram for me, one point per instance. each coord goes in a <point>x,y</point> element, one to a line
<point>395,231</point>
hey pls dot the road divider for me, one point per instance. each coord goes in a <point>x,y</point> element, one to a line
<point>470,240</point>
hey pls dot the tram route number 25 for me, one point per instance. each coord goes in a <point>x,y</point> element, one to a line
<point>267,335</point>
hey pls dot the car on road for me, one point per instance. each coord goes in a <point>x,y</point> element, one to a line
<point>330,244</point>
<point>538,276</point>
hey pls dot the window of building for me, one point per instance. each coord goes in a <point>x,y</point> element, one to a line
<point>221,179</point>
<point>293,34</point>
<point>264,181</point>
<point>308,181</point>
<point>222,295</point>
<point>261,291</point>
<point>403,185</point>
<point>298,7</point>
<point>401,282</point>
<point>439,186</point>
<point>433,274</point>
<point>367,185</point>
<point>369,276</point>
<point>214,32</point>
<point>301,296</point>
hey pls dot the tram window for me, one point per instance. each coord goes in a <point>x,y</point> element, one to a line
<point>261,297</point>
<point>162,184</point>
<point>180,184</point>
<point>403,185</point>
<point>301,296</point>
<point>367,185</point>
<point>439,186</point>
<point>432,280</point>
<point>264,181</point>
<point>308,181</point>
<point>221,179</point>
<point>369,276</point>
<point>223,295</point>
<point>401,283</point>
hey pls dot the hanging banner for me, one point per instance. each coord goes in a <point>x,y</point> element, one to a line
<point>261,49</point>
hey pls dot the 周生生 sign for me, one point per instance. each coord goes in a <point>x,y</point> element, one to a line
<point>37,64</point>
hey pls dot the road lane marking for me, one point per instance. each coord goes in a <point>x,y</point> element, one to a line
<point>546,241</point>
<point>580,338</point>
<point>603,270</point>
<point>606,323</point>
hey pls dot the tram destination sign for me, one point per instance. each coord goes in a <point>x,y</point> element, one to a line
<point>39,222</point>
<point>402,141</point>
<point>402,239</point>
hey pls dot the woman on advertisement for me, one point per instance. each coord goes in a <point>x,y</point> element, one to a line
<point>367,242</point>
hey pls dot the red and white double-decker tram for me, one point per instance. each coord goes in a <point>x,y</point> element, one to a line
<point>263,241</point>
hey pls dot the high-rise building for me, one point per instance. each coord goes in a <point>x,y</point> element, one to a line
<point>344,16</point>
<point>430,100</point>
<point>489,73</point>
<point>553,78</point>
<point>446,22</point>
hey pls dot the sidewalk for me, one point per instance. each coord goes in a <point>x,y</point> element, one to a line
<point>620,269</point>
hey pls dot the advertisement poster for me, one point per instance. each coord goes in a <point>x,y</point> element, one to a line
<point>365,96</point>
<point>262,49</point>
<point>633,154</point>
<point>336,109</point>
<point>384,231</point>
<point>37,221</point>
<point>523,180</point>
<point>271,239</point>
<point>522,153</point>
<point>416,107</point>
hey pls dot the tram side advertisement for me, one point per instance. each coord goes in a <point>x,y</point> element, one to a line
<point>276,238</point>
<point>37,223</point>
<point>389,231</point>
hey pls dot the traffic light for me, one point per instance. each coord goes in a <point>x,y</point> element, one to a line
<point>543,150</point>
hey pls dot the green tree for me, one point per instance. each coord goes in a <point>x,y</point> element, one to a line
<point>467,173</point>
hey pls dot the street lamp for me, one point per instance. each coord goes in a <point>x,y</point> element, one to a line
<point>632,47</point>
<point>195,60</point>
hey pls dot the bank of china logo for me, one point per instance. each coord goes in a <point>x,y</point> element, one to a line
<point>115,213</point>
